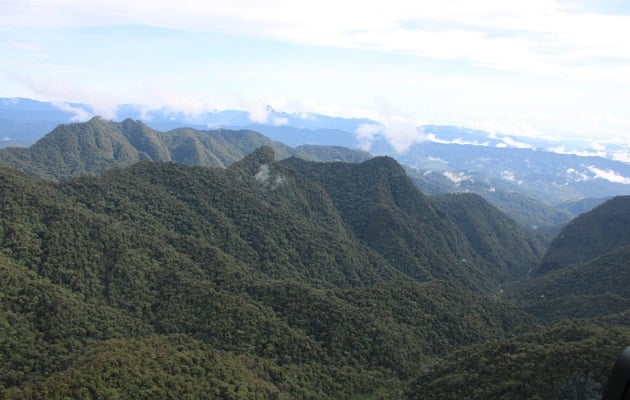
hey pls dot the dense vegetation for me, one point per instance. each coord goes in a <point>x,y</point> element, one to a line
<point>568,361</point>
<point>508,197</point>
<point>590,235</point>
<point>292,279</point>
<point>98,145</point>
<point>584,273</point>
<point>256,263</point>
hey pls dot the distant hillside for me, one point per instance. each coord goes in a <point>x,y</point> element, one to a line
<point>590,235</point>
<point>508,197</point>
<point>549,177</point>
<point>583,205</point>
<point>24,121</point>
<point>96,146</point>
<point>526,183</point>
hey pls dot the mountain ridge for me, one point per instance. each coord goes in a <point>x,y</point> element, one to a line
<point>531,198</point>
<point>590,235</point>
<point>93,147</point>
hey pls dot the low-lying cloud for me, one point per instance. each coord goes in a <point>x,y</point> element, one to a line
<point>609,175</point>
<point>79,114</point>
<point>265,176</point>
<point>431,137</point>
<point>457,177</point>
<point>398,131</point>
<point>258,113</point>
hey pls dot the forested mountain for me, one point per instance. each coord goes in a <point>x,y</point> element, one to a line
<point>585,272</point>
<point>428,239</point>
<point>506,196</point>
<point>96,146</point>
<point>524,177</point>
<point>499,240</point>
<point>590,235</point>
<point>251,279</point>
<point>259,278</point>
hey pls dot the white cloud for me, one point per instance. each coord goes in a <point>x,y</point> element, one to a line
<point>509,142</point>
<point>509,176</point>
<point>264,176</point>
<point>279,121</point>
<point>366,134</point>
<point>60,91</point>
<point>609,175</point>
<point>400,132</point>
<point>437,159</point>
<point>621,155</point>
<point>598,146</point>
<point>80,114</point>
<point>258,113</point>
<point>457,177</point>
<point>263,173</point>
<point>581,153</point>
<point>307,116</point>
<point>173,101</point>
<point>549,45</point>
<point>395,125</point>
<point>432,138</point>
<point>577,176</point>
<point>537,36</point>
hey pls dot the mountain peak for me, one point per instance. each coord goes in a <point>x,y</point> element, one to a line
<point>262,155</point>
<point>250,165</point>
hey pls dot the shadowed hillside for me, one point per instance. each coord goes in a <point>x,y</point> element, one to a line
<point>590,235</point>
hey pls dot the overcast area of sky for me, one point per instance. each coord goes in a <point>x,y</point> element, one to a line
<point>530,68</point>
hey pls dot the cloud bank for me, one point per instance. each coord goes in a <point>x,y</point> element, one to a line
<point>538,36</point>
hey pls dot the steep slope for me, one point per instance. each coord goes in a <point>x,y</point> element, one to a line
<point>96,146</point>
<point>582,206</point>
<point>218,148</point>
<point>235,280</point>
<point>595,289</point>
<point>584,273</point>
<point>87,149</point>
<point>257,211</point>
<point>495,238</point>
<point>385,211</point>
<point>590,235</point>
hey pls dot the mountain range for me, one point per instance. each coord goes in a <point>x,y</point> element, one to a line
<point>549,171</point>
<point>136,263</point>
<point>98,145</point>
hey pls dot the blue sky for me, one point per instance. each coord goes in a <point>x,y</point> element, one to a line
<point>537,68</point>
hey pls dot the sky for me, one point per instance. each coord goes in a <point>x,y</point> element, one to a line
<point>536,68</point>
